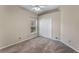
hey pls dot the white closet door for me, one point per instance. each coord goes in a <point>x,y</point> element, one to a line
<point>45,26</point>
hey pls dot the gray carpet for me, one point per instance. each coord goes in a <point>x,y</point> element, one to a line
<point>38,45</point>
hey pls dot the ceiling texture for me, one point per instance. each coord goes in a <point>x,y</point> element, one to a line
<point>39,9</point>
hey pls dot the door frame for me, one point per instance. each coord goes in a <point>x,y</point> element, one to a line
<point>51,26</point>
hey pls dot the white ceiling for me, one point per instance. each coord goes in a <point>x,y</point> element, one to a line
<point>45,9</point>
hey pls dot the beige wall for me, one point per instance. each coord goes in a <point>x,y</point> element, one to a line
<point>70,26</point>
<point>66,25</point>
<point>14,23</point>
<point>55,23</point>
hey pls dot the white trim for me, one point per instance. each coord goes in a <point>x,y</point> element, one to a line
<point>50,18</point>
<point>41,36</point>
<point>15,43</point>
<point>56,39</point>
<point>66,44</point>
<point>11,44</point>
<point>69,46</point>
<point>51,27</point>
<point>34,33</point>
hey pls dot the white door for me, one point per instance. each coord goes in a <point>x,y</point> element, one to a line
<point>45,26</point>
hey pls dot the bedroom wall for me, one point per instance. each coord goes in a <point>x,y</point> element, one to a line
<point>15,23</point>
<point>70,26</point>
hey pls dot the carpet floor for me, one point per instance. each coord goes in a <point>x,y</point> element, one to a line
<point>38,45</point>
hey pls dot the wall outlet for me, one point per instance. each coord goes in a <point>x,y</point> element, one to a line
<point>69,41</point>
<point>20,38</point>
<point>56,37</point>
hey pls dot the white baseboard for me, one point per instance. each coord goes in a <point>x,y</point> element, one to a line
<point>15,43</point>
<point>69,46</point>
<point>41,36</point>
<point>65,44</point>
